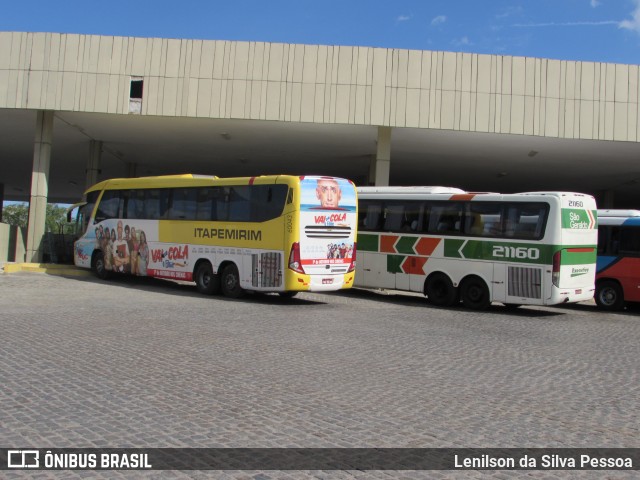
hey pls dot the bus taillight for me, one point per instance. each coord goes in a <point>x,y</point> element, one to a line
<point>295,263</point>
<point>555,275</point>
<point>352,266</point>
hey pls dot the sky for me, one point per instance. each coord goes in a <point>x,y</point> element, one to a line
<point>587,30</point>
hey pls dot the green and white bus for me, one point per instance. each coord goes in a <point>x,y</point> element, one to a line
<point>535,248</point>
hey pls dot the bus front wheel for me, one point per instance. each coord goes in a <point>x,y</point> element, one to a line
<point>99,266</point>
<point>609,295</point>
<point>206,281</point>
<point>440,290</point>
<point>475,293</point>
<point>231,282</point>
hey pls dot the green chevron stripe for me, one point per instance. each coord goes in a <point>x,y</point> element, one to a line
<point>394,262</point>
<point>452,247</point>
<point>368,242</point>
<point>405,245</point>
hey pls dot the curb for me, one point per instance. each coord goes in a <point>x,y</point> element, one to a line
<point>48,268</point>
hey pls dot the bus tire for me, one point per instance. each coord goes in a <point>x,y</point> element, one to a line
<point>440,290</point>
<point>475,293</point>
<point>206,281</point>
<point>288,294</point>
<point>230,282</point>
<point>609,295</point>
<point>98,265</point>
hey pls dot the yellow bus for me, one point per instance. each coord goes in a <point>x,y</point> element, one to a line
<point>276,233</point>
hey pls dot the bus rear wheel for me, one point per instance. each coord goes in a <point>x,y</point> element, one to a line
<point>206,281</point>
<point>440,290</point>
<point>475,293</point>
<point>609,295</point>
<point>230,282</point>
<point>99,267</point>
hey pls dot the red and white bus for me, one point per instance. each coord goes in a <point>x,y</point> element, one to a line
<point>618,265</point>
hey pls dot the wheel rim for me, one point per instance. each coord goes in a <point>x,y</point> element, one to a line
<point>230,281</point>
<point>439,290</point>
<point>205,279</point>
<point>608,296</point>
<point>475,293</point>
<point>99,264</point>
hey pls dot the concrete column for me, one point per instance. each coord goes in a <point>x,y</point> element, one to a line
<point>39,186</point>
<point>381,164</point>
<point>93,165</point>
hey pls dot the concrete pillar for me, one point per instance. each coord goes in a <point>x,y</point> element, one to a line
<point>39,186</point>
<point>93,165</point>
<point>381,164</point>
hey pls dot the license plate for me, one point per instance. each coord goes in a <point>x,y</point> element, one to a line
<point>579,291</point>
<point>327,281</point>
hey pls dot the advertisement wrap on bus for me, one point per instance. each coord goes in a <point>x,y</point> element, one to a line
<point>272,233</point>
<point>327,215</point>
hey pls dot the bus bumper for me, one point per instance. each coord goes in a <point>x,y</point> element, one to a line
<point>321,283</point>
<point>570,295</point>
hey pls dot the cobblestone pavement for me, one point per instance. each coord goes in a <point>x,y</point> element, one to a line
<point>136,362</point>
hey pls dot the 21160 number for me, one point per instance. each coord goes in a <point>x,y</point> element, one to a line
<point>501,251</point>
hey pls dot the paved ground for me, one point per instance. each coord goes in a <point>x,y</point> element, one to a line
<point>145,363</point>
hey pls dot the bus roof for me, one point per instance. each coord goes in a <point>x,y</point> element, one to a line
<point>618,213</point>
<point>410,190</point>
<point>143,181</point>
<point>455,193</point>
<point>194,180</point>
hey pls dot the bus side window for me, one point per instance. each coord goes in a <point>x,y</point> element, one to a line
<point>604,238</point>
<point>484,219</point>
<point>239,204</point>
<point>445,219</point>
<point>613,248</point>
<point>109,206</point>
<point>155,203</point>
<point>221,212</point>
<point>183,204</point>
<point>394,215</point>
<point>204,203</point>
<point>267,201</point>
<point>369,215</point>
<point>412,215</point>
<point>630,241</point>
<point>526,220</point>
<point>134,204</point>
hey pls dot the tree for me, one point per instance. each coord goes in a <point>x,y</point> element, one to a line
<point>18,214</point>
